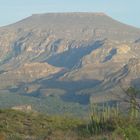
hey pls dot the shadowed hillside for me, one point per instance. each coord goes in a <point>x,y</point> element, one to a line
<point>72,57</point>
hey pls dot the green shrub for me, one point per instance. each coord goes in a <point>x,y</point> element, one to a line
<point>103,120</point>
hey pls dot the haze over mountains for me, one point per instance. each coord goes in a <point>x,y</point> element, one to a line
<point>80,56</point>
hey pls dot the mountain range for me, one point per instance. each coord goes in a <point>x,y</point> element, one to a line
<point>80,57</point>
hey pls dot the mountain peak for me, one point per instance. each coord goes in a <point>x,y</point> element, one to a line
<point>72,14</point>
<point>64,53</point>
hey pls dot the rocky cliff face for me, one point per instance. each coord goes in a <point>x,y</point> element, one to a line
<point>84,53</point>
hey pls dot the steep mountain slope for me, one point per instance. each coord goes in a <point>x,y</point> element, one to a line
<point>78,55</point>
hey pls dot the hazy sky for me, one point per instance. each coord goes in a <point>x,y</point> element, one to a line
<point>127,11</point>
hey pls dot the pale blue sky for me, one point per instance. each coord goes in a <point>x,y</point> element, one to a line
<point>127,11</point>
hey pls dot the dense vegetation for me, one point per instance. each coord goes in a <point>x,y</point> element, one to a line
<point>15,125</point>
<point>46,105</point>
<point>105,122</point>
